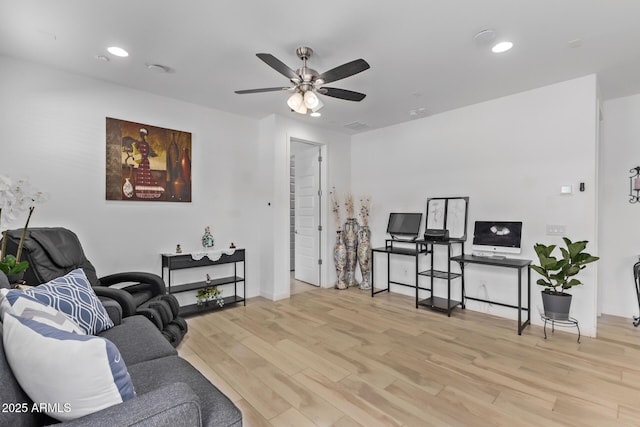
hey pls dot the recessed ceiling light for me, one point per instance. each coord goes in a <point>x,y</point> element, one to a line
<point>118,51</point>
<point>501,47</point>
<point>158,68</point>
<point>485,37</point>
<point>315,114</point>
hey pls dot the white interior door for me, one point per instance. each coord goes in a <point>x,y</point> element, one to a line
<point>307,216</point>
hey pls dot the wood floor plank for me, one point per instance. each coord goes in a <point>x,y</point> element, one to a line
<point>212,376</point>
<point>272,355</point>
<point>251,417</point>
<point>255,392</point>
<point>341,358</point>
<point>291,418</point>
<point>349,403</point>
<point>399,408</point>
<point>312,359</point>
<point>311,405</point>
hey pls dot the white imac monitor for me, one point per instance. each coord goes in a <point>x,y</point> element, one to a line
<point>493,238</point>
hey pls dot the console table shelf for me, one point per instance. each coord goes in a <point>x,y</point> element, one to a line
<point>187,310</point>
<point>202,284</point>
<point>211,260</point>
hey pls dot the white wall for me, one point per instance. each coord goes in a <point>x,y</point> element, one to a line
<point>276,134</point>
<point>619,232</point>
<point>510,156</point>
<point>52,131</point>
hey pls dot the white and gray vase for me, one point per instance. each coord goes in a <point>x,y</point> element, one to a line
<point>351,242</point>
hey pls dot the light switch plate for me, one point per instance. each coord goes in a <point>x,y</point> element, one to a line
<point>566,189</point>
<point>555,230</point>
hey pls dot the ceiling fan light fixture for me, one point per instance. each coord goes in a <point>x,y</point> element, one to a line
<point>319,106</point>
<point>295,101</point>
<point>302,109</point>
<point>311,100</point>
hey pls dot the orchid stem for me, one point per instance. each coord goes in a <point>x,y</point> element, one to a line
<point>24,234</point>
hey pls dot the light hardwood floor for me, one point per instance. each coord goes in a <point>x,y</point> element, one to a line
<point>328,357</point>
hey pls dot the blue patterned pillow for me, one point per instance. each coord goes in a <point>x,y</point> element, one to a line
<point>68,374</point>
<point>19,304</point>
<point>72,294</point>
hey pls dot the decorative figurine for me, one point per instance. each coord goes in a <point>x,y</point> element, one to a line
<point>178,249</point>
<point>232,246</point>
<point>208,279</point>
<point>207,238</point>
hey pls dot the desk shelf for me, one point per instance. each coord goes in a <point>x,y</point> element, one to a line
<point>439,304</point>
<point>440,274</point>
<point>434,302</point>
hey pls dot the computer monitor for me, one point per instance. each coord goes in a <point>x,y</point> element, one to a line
<point>404,226</point>
<point>497,237</point>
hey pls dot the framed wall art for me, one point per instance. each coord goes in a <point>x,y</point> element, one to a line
<point>147,163</point>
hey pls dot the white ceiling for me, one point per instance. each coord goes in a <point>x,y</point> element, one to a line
<point>422,52</point>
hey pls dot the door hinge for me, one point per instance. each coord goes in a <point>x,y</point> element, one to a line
<point>320,261</point>
<point>319,228</point>
<point>320,193</point>
<point>319,159</point>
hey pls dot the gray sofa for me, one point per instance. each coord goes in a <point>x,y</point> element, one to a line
<point>170,391</point>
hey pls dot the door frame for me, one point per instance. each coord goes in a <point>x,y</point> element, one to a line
<point>323,206</point>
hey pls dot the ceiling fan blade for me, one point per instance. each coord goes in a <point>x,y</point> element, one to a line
<point>344,71</point>
<point>278,65</point>
<point>349,95</point>
<point>264,89</point>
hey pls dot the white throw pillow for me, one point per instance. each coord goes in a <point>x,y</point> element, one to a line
<point>20,304</point>
<point>72,294</point>
<point>67,374</point>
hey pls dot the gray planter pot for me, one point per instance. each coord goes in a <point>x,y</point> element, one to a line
<point>556,306</point>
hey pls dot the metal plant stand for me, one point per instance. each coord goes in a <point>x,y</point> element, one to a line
<point>568,322</point>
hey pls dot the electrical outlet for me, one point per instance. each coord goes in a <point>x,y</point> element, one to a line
<point>555,230</point>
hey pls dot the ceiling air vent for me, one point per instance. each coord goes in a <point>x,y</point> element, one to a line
<point>356,126</point>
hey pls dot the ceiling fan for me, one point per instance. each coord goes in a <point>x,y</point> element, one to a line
<point>308,83</point>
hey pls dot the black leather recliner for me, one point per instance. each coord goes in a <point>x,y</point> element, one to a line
<point>53,252</point>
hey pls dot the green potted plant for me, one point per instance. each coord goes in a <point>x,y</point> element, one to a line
<point>210,293</point>
<point>559,274</point>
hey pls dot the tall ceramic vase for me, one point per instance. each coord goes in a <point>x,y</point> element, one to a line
<point>351,242</point>
<point>364,256</point>
<point>340,258</point>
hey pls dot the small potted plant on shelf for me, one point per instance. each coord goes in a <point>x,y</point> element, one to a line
<point>560,274</point>
<point>211,293</point>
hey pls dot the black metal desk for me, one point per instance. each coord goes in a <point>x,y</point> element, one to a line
<point>516,263</point>
<point>413,249</point>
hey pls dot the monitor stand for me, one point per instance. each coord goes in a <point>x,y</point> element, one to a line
<point>404,239</point>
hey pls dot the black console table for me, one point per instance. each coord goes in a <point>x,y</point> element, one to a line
<point>172,262</point>
<point>516,263</point>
